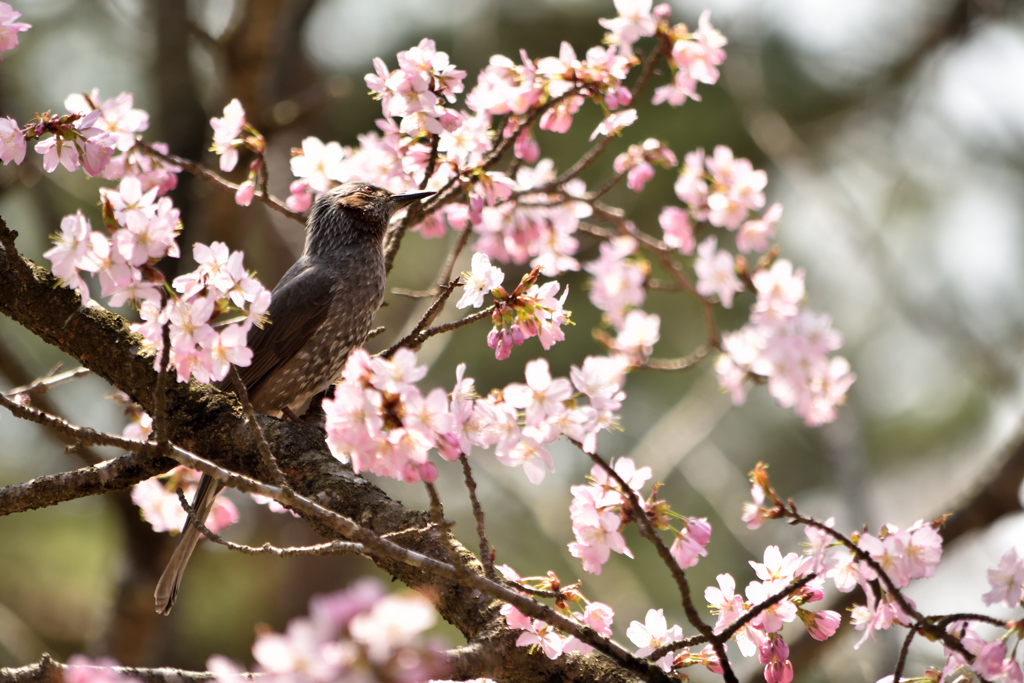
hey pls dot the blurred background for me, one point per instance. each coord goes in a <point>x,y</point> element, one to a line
<point>893,134</point>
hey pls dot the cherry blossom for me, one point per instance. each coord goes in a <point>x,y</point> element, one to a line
<point>10,27</point>
<point>12,141</point>
<point>226,131</point>
<point>716,272</point>
<point>319,164</point>
<point>483,278</point>
<point>118,117</point>
<point>614,123</point>
<point>634,21</point>
<point>1007,580</point>
<point>652,634</point>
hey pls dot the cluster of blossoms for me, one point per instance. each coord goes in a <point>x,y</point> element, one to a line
<point>897,557</point>
<point>784,342</point>
<point>87,138</point>
<point>531,310</point>
<point>359,633</point>
<point>120,119</point>
<point>790,346</point>
<point>694,56</point>
<point>649,636</point>
<point>618,290</point>
<point>141,226</point>
<point>381,421</point>
<point>537,633</point>
<point>762,634</point>
<point>75,141</point>
<point>600,510</point>
<point>638,162</point>
<point>230,132</point>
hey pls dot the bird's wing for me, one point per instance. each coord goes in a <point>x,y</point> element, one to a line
<point>298,308</point>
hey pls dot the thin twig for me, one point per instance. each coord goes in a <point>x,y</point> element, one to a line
<point>943,622</point>
<point>713,340</point>
<point>218,180</point>
<point>416,341</point>
<point>437,514</point>
<point>901,661</point>
<point>432,163</point>
<point>261,441</point>
<point>320,549</point>
<point>453,255</point>
<point>478,514</point>
<point>675,364</point>
<point>160,388</point>
<point>43,384</point>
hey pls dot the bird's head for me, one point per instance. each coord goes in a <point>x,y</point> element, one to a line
<point>353,211</point>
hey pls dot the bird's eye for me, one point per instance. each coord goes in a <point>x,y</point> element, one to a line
<point>367,190</point>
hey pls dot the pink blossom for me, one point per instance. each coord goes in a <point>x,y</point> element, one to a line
<point>558,119</point>
<point>613,123</point>
<point>682,88</point>
<point>821,625</point>
<point>691,187</point>
<point>12,141</point>
<point>56,150</point>
<point>779,290</point>
<point>226,131</point>
<point>653,634</point>
<point>117,115</point>
<point>700,57</point>
<point>724,602</point>
<point>634,21</point>
<point>74,248</point>
<point>597,616</point>
<point>301,648</point>
<point>225,348</point>
<point>639,333</point>
<point>755,234</point>
<point>319,164</point>
<point>10,27</point>
<point>690,542</point>
<point>301,198</point>
<point>600,379</point>
<point>594,544</point>
<point>678,233</point>
<point>775,566</point>
<point>716,272</point>
<point>539,633</point>
<point>1007,580</point>
<point>244,194</point>
<point>529,454</point>
<point>483,278</point>
<point>392,623</point>
<point>162,509</point>
<point>618,283</point>
<point>541,396</point>
<point>771,619</point>
<point>397,375</point>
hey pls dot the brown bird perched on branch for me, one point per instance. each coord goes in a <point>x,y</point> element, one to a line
<point>320,310</point>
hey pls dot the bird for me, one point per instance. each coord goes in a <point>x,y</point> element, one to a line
<point>320,310</point>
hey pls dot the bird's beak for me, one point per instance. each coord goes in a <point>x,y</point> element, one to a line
<point>401,200</point>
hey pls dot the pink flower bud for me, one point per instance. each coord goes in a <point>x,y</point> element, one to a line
<point>245,193</point>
